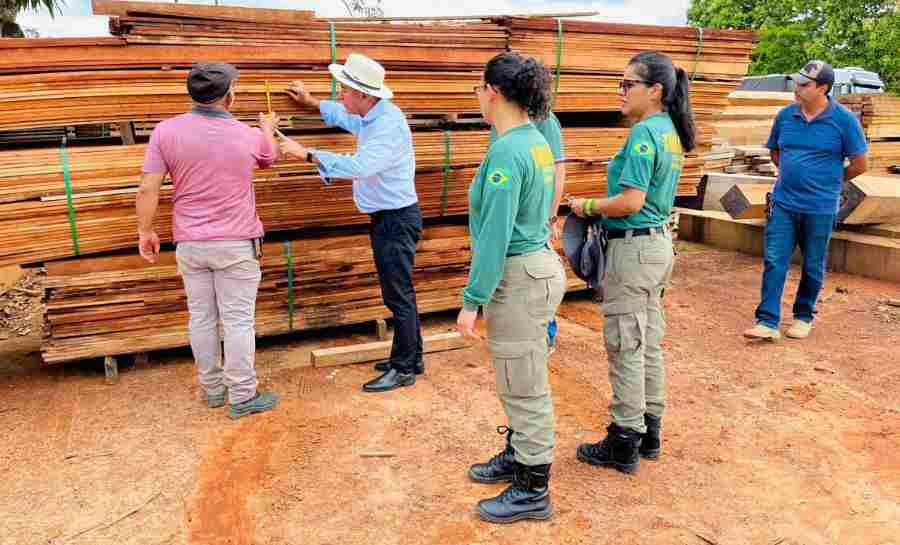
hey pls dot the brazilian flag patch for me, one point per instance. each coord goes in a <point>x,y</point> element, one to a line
<point>497,177</point>
<point>643,148</point>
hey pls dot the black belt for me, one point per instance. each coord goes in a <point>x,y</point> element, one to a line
<point>641,232</point>
<point>382,213</point>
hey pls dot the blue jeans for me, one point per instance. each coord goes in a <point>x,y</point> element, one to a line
<point>785,230</point>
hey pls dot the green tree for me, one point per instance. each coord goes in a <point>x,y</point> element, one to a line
<point>862,33</point>
<point>10,9</point>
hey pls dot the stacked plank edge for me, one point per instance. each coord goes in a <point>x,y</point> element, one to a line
<point>116,303</point>
<point>880,118</point>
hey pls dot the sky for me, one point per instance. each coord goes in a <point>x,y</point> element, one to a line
<point>76,18</point>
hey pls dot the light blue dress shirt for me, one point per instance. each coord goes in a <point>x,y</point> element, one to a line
<point>383,169</point>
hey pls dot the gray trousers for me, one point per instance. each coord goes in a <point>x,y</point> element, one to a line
<point>532,288</point>
<point>221,279</point>
<point>638,269</point>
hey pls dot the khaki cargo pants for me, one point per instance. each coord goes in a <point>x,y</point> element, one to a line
<point>532,288</point>
<point>638,269</point>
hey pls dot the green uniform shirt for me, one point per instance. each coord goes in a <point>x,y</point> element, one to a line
<point>509,208</point>
<point>651,160</point>
<point>552,132</point>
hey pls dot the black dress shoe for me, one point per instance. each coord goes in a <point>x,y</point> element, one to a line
<point>389,381</point>
<point>385,366</point>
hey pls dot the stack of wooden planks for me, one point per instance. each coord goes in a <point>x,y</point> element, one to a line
<point>37,223</point>
<point>747,120</point>
<point>72,200</point>
<point>50,100</point>
<point>607,47</point>
<point>878,113</point>
<point>880,118</point>
<point>118,305</point>
<point>466,45</point>
<point>754,160</point>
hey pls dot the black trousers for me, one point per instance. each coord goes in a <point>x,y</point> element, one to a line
<point>394,236</point>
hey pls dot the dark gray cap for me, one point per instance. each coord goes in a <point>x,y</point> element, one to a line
<point>208,82</point>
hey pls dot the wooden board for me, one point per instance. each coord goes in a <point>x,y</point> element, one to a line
<point>359,353</point>
<point>199,11</point>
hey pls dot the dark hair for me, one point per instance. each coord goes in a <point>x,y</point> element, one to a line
<point>656,67</point>
<point>522,80</point>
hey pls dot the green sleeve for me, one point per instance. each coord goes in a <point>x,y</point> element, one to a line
<point>552,132</point>
<point>640,159</point>
<point>500,186</point>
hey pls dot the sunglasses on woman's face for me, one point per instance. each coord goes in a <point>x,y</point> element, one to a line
<point>626,84</point>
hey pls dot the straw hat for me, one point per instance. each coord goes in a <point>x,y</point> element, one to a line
<point>363,74</point>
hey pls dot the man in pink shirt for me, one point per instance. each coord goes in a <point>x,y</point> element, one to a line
<point>210,157</point>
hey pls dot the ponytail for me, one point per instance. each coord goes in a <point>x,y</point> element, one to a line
<point>657,67</point>
<point>681,112</point>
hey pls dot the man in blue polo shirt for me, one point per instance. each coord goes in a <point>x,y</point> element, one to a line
<point>810,140</point>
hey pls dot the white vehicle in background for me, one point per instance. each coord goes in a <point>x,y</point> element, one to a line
<point>847,81</point>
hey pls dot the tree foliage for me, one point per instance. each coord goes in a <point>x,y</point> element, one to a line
<point>863,33</point>
<point>9,9</point>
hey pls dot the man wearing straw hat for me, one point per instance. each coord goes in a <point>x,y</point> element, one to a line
<point>383,173</point>
<point>210,157</point>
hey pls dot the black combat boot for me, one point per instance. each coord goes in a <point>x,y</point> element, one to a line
<point>619,449</point>
<point>499,468</point>
<point>528,497</point>
<point>651,444</point>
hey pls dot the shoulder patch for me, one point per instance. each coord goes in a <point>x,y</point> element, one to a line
<point>497,177</point>
<point>542,155</point>
<point>642,148</point>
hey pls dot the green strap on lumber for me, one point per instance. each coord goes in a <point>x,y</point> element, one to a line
<point>67,178</point>
<point>445,192</point>
<point>699,50</point>
<point>289,256</point>
<point>559,51</point>
<point>333,59</point>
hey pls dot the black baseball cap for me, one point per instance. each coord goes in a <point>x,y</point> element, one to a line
<point>818,71</point>
<point>208,82</point>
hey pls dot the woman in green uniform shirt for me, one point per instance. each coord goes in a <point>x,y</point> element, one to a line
<point>643,180</point>
<point>518,279</point>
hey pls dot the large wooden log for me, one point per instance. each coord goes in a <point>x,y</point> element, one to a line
<point>870,200</point>
<point>746,201</point>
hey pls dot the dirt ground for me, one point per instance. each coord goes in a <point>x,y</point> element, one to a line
<point>791,443</point>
